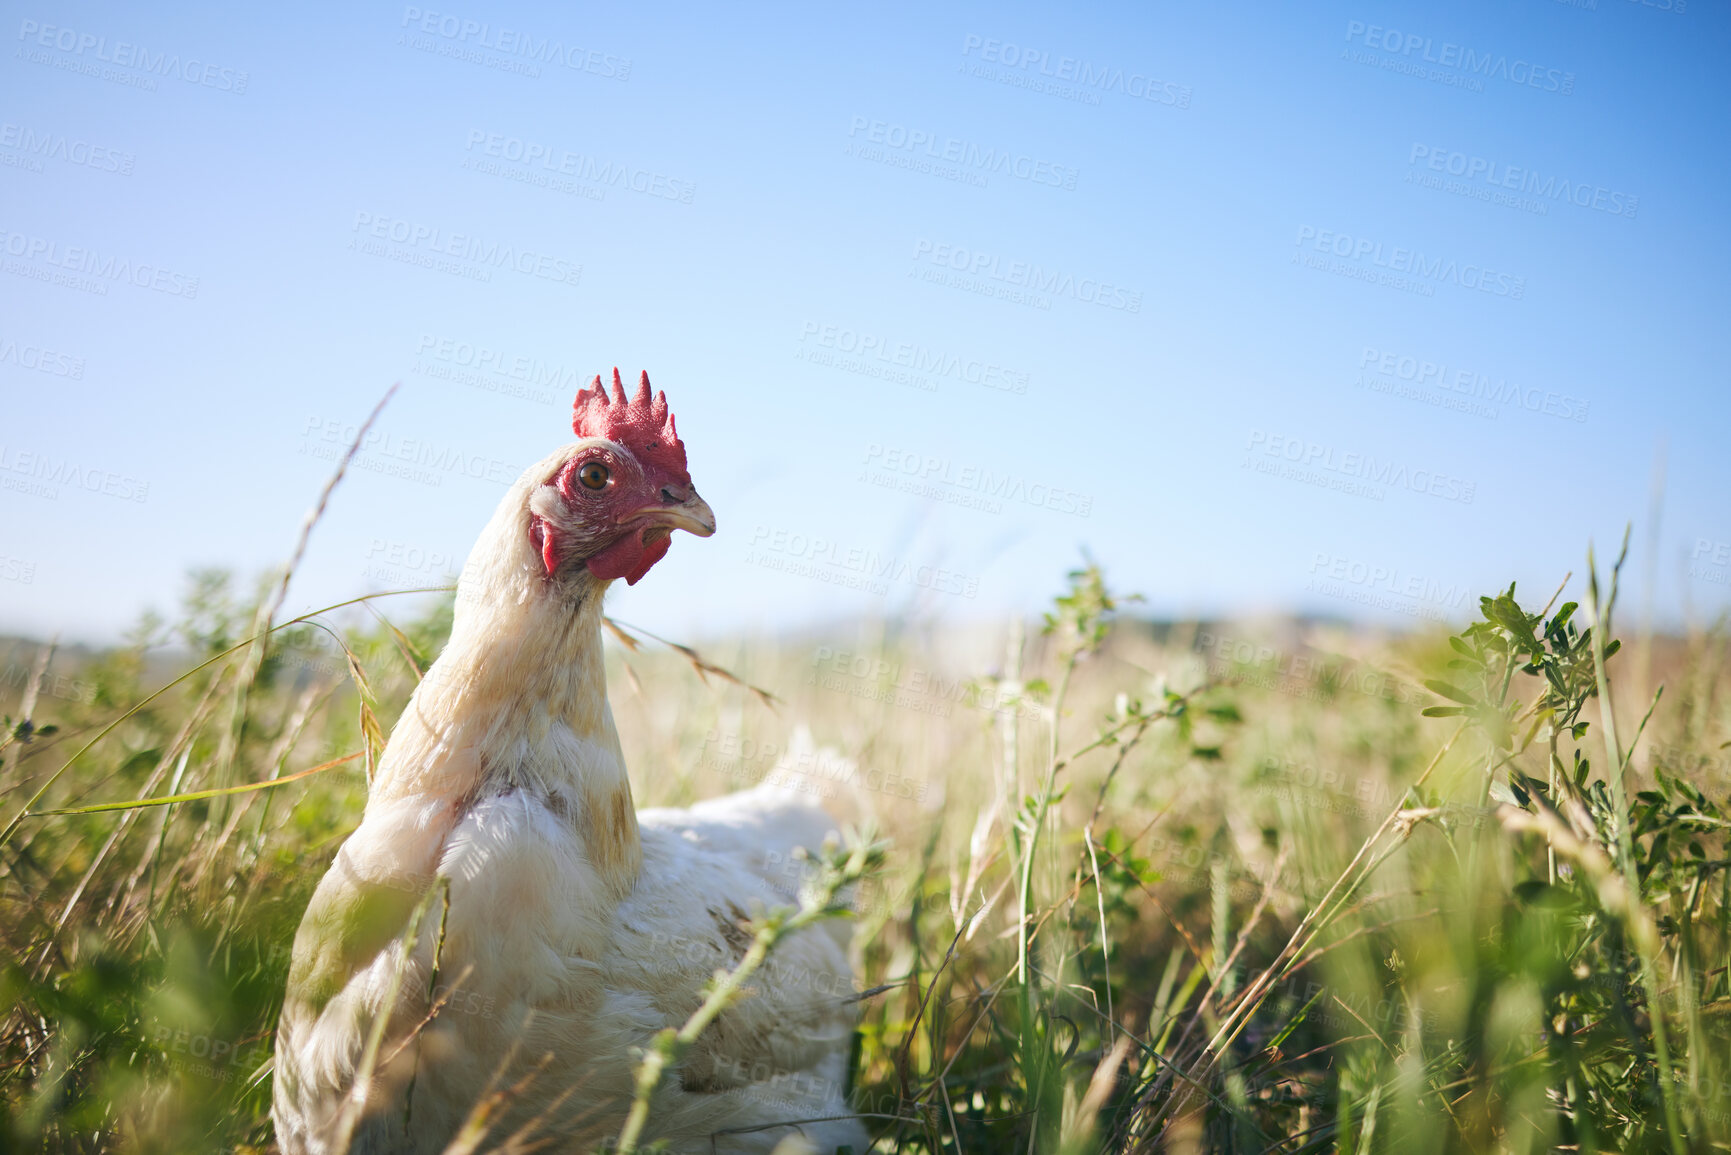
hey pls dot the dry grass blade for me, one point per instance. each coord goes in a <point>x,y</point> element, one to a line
<point>840,869</point>
<point>196,795</point>
<point>1314,920</point>
<point>920,1013</point>
<point>267,611</point>
<point>492,1105</point>
<point>522,1140</point>
<point>276,758</point>
<point>1079,1134</point>
<point>438,1005</point>
<point>176,747</point>
<point>355,1102</point>
<point>704,668</point>
<point>404,646</point>
<point>22,730</point>
<point>268,608</point>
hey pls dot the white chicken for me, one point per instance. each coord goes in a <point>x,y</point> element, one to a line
<point>576,927</point>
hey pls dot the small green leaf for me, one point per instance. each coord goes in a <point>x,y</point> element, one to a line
<point>1452,692</point>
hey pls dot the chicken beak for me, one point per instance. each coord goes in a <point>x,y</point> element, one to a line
<point>691,514</point>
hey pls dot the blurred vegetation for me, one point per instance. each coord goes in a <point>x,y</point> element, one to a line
<point>1151,886</point>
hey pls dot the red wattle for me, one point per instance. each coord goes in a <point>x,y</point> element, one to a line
<point>543,541</point>
<point>629,557</point>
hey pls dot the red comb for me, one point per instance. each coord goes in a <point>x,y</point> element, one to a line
<point>643,424</point>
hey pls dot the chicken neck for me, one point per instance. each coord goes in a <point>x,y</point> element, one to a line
<point>518,701</point>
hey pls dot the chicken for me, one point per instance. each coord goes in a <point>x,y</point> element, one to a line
<point>576,926</point>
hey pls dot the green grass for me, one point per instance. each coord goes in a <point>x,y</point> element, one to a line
<point>1148,886</point>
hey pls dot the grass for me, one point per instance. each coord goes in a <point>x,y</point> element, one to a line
<point>1148,886</point>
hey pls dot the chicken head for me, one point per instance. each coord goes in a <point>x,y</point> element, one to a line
<point>616,496</point>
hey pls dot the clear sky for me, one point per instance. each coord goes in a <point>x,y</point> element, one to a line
<point>1362,308</point>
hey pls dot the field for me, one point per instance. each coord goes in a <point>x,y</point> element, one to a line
<point>1267,886</point>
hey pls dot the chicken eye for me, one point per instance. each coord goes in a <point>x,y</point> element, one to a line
<point>593,475</point>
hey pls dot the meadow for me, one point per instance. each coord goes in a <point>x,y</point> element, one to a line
<point>1285,885</point>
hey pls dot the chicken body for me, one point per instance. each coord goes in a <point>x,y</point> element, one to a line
<point>575,927</point>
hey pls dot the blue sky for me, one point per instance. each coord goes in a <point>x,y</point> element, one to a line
<point>1359,308</point>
